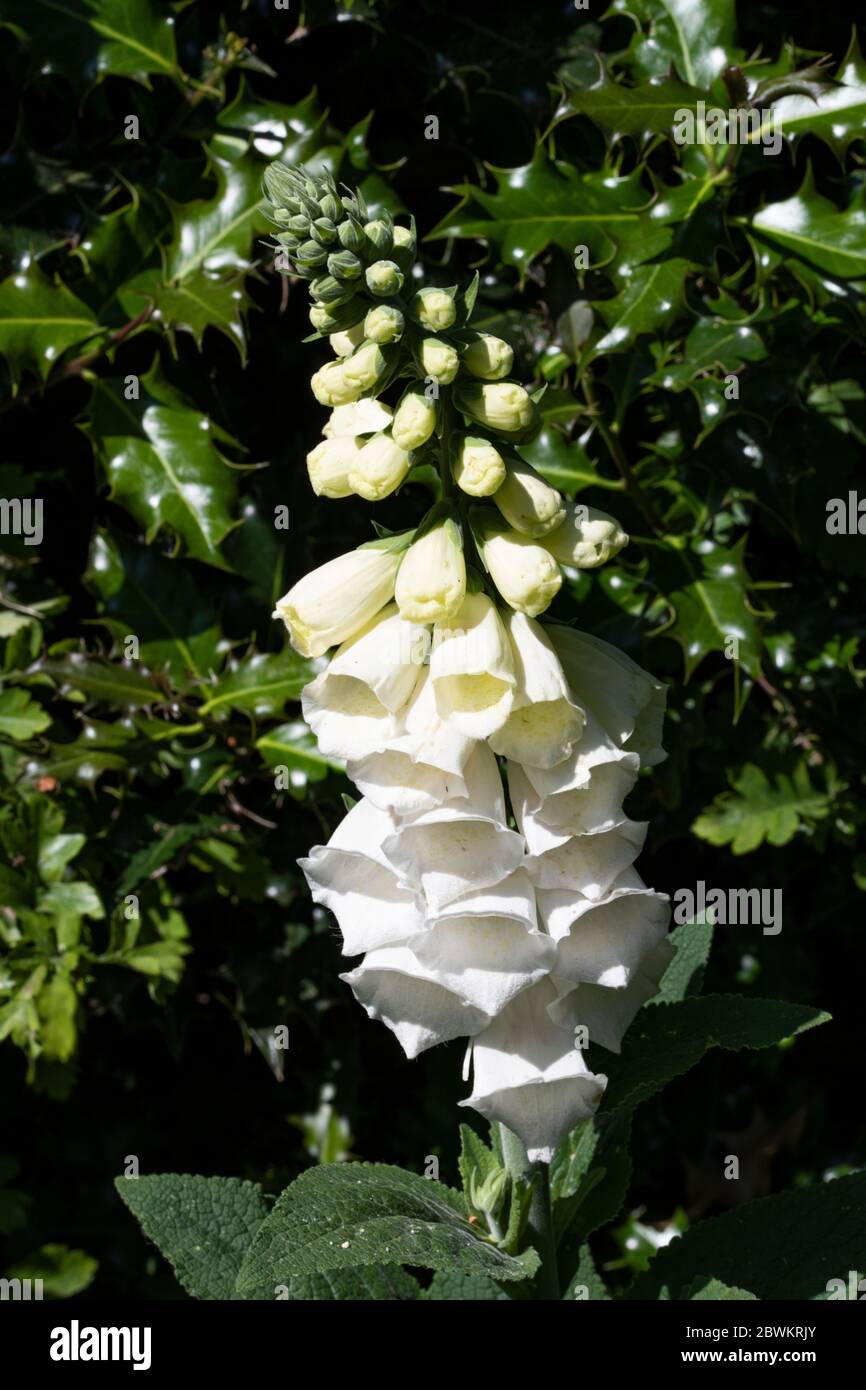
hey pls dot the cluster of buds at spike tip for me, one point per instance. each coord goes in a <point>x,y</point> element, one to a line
<point>516,929</point>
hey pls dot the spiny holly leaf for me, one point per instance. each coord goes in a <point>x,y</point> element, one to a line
<point>758,809</point>
<point>548,203</point>
<point>639,111</point>
<point>136,41</point>
<point>342,1215</point>
<point>666,1040</point>
<point>126,686</point>
<point>157,601</point>
<point>261,683</point>
<point>713,345</point>
<point>294,747</point>
<point>273,129</point>
<point>696,36</point>
<point>162,463</point>
<point>810,227</point>
<point>202,1226</point>
<point>116,249</point>
<point>784,1247</point>
<point>707,588</point>
<point>199,284</point>
<point>39,322</point>
<point>834,111</point>
<point>564,463</point>
<point>20,716</point>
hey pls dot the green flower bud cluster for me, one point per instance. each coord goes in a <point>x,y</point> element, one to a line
<point>460,403</point>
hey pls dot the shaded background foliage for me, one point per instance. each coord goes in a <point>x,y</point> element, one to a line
<point>144,257</point>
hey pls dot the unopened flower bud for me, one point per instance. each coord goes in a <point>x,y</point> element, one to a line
<point>384,278</point>
<point>431,581</point>
<point>487,1196</point>
<point>526,575</point>
<point>327,290</point>
<point>433,309</point>
<point>366,367</point>
<point>323,231</point>
<point>329,464</point>
<point>380,467</point>
<point>477,465</point>
<point>384,324</point>
<point>488,357</point>
<point>438,360</point>
<point>344,265</point>
<point>336,600</point>
<point>586,538</point>
<point>502,406</point>
<point>366,416</point>
<point>337,319</point>
<point>330,387</point>
<point>527,502</point>
<point>378,234</point>
<point>309,255</point>
<point>403,249</point>
<point>414,419</point>
<point>345,342</point>
<point>331,208</point>
<point>351,235</point>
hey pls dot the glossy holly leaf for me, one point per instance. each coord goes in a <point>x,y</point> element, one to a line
<point>696,36</point>
<point>294,747</point>
<point>39,322</point>
<point>157,601</point>
<point>162,463</point>
<point>639,111</point>
<point>126,686</point>
<point>812,228</point>
<point>564,463</point>
<point>116,249</point>
<point>712,345</point>
<point>548,203</point>
<point>82,761</point>
<point>834,111</point>
<point>21,717</point>
<point>757,809</point>
<point>273,129</point>
<point>135,39</point>
<point>213,244</point>
<point>706,586</point>
<point>261,683</point>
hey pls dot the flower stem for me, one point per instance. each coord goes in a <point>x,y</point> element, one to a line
<point>539,1225</point>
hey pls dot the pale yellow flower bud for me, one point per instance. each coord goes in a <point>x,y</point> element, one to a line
<point>527,502</point>
<point>329,463</point>
<point>380,467</point>
<point>330,386</point>
<point>336,600</point>
<point>343,344</point>
<point>588,537</point>
<point>433,308</point>
<point>366,367</point>
<point>384,278</point>
<point>384,324</point>
<point>439,360</point>
<point>526,575</point>
<point>431,581</point>
<point>478,466</point>
<point>403,248</point>
<point>502,405</point>
<point>489,357</point>
<point>414,420</point>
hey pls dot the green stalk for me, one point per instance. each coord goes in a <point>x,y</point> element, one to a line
<point>539,1225</point>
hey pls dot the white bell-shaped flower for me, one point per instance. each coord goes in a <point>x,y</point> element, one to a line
<point>528,1074</point>
<point>628,702</point>
<point>589,864</point>
<point>351,705</point>
<point>472,668</point>
<point>545,722</point>
<point>352,877</point>
<point>462,845</point>
<point>607,1013</point>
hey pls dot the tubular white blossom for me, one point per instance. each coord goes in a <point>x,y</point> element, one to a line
<point>628,701</point>
<point>545,722</point>
<point>336,600</point>
<point>351,706</point>
<point>528,1074</point>
<point>472,668</point>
